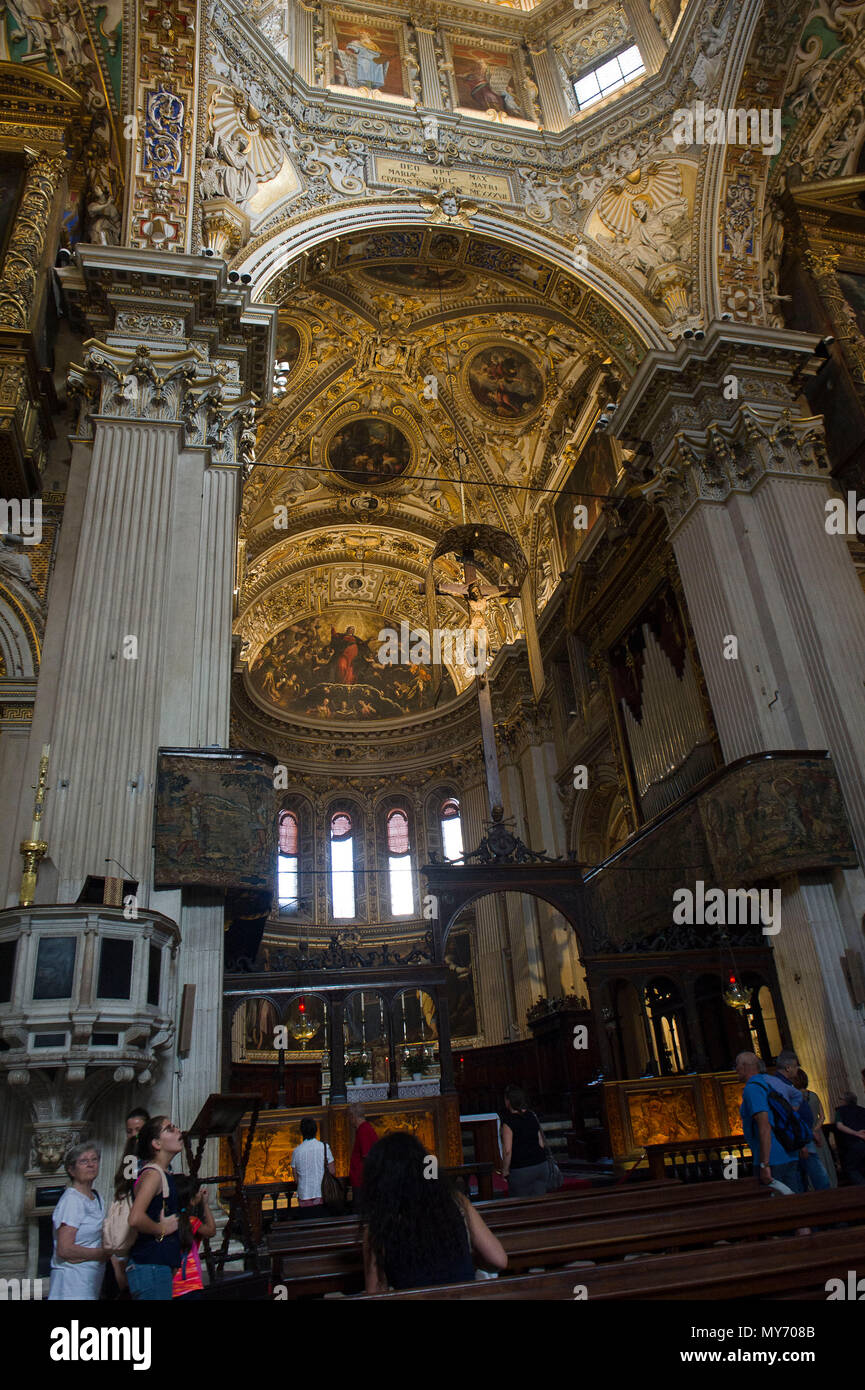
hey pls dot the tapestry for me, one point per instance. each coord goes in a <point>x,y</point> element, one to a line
<point>760,819</point>
<point>215,820</point>
<point>774,817</point>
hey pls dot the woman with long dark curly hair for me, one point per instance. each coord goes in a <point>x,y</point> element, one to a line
<point>418,1231</point>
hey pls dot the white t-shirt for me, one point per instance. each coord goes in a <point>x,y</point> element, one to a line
<point>308,1162</point>
<point>81,1280</point>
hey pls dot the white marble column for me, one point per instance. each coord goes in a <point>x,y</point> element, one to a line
<point>303,34</point>
<point>492,983</point>
<point>553,105</point>
<point>647,35</point>
<point>741,482</point>
<point>429,70</point>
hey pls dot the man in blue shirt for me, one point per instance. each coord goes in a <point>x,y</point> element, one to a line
<point>771,1161</point>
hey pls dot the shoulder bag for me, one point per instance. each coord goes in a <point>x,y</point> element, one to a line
<point>117,1234</point>
<point>555,1177</point>
<point>332,1188</point>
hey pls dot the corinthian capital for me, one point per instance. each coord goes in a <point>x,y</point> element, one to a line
<point>718,416</point>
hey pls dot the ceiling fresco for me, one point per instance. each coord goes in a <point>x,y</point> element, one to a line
<point>423,377</point>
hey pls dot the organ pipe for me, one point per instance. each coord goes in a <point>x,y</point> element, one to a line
<point>670,746</point>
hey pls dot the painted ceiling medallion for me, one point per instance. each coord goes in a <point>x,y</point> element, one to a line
<point>505,383</point>
<point>367,450</point>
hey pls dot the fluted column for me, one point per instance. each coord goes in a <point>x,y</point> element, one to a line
<point>553,105</point>
<point>778,613</point>
<point>530,974</point>
<point>424,28</point>
<point>647,35</point>
<point>492,983</point>
<point>304,40</point>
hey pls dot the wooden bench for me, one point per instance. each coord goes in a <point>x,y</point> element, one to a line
<point>296,1238</point>
<point>797,1268</point>
<point>339,1268</point>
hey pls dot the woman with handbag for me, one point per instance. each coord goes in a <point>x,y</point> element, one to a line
<point>156,1253</point>
<point>311,1160</point>
<point>524,1155</point>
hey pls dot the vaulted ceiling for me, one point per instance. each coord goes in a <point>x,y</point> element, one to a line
<point>422,377</point>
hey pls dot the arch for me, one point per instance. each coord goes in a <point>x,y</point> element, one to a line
<point>272,252</point>
<point>456,887</point>
<point>20,651</point>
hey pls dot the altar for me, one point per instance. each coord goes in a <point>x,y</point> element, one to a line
<point>433,1118</point>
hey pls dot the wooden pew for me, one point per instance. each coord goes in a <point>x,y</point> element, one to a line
<point>797,1268</point>
<point>339,1268</point>
<point>296,1238</point>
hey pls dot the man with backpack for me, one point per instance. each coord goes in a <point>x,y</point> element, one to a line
<point>776,1134</point>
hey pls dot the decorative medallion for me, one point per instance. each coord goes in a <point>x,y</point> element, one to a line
<point>504,383</point>
<point>367,450</point>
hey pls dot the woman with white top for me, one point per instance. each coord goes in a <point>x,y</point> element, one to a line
<point>78,1262</point>
<point>309,1161</point>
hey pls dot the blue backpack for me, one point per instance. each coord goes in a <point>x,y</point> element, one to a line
<point>789,1126</point>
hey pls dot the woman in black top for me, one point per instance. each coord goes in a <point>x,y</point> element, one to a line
<point>524,1160</point>
<point>418,1231</point>
<point>156,1253</point>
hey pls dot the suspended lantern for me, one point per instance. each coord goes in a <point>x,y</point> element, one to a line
<point>737,995</point>
<point>304,1029</point>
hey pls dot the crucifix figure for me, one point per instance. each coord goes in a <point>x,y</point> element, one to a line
<point>477,593</point>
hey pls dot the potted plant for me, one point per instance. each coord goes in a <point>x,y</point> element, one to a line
<point>419,1066</point>
<point>355,1073</point>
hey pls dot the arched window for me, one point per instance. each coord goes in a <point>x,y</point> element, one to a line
<point>288,876</point>
<point>399,865</point>
<point>452,830</point>
<point>342,864</point>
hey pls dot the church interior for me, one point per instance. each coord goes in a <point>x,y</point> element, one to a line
<point>431,566</point>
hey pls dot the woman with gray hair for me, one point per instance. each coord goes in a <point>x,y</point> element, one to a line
<point>78,1262</point>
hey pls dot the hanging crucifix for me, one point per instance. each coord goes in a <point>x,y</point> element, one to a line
<point>477,592</point>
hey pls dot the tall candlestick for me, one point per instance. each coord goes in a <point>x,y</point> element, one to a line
<point>33,850</point>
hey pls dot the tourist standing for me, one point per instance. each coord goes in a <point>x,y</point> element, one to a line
<point>524,1160</point>
<point>364,1139</point>
<point>819,1150</point>
<point>195,1223</point>
<point>850,1137</point>
<point>78,1261</point>
<point>309,1161</point>
<point>156,1253</point>
<point>773,1162</point>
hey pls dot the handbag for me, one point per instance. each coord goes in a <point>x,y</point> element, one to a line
<point>555,1177</point>
<point>333,1193</point>
<point>117,1234</point>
